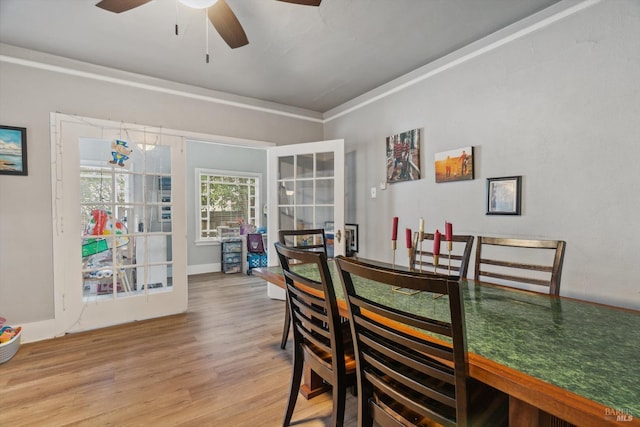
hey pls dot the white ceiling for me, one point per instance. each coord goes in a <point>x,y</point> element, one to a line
<point>314,58</point>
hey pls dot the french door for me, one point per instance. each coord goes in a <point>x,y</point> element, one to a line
<point>306,190</point>
<point>119,238</point>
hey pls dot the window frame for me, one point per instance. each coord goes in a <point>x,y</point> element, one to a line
<point>199,172</point>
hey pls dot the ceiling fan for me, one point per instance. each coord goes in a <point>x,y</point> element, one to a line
<point>218,11</point>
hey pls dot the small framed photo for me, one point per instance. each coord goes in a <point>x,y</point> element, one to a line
<point>504,195</point>
<point>454,165</point>
<point>403,156</point>
<point>351,231</point>
<point>13,150</point>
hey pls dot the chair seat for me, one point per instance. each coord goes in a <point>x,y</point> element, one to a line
<point>325,356</point>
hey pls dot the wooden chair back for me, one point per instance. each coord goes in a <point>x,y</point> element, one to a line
<point>312,239</point>
<point>321,340</point>
<point>506,261</point>
<point>454,263</point>
<point>402,377</point>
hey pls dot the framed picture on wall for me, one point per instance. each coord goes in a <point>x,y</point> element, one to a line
<point>352,238</point>
<point>454,165</point>
<point>504,195</point>
<point>13,150</point>
<point>403,156</point>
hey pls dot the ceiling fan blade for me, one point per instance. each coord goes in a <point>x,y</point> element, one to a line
<point>304,2</point>
<point>118,6</point>
<point>226,23</point>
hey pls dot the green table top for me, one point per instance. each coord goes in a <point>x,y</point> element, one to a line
<point>589,349</point>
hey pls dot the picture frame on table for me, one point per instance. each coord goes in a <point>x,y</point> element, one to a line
<point>351,232</point>
<point>13,150</point>
<point>504,195</point>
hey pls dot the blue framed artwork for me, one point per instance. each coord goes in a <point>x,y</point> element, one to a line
<point>13,150</point>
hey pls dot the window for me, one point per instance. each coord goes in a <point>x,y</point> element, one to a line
<point>228,200</point>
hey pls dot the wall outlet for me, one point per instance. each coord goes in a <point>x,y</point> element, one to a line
<point>373,192</point>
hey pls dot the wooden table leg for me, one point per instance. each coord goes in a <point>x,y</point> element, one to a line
<point>521,414</point>
<point>312,384</point>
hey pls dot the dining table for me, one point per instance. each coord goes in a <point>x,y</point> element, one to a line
<point>575,360</point>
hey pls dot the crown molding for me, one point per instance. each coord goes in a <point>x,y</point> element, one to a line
<point>513,32</point>
<point>56,64</point>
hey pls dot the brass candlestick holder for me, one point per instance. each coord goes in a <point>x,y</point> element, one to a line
<point>420,238</point>
<point>405,291</point>
<point>436,259</point>
<point>450,247</point>
<point>394,245</point>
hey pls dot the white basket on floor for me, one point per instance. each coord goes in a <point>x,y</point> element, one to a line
<point>10,348</point>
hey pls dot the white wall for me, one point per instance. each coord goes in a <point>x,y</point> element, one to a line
<point>559,106</point>
<point>31,87</point>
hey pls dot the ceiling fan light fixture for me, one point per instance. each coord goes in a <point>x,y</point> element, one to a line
<point>198,4</point>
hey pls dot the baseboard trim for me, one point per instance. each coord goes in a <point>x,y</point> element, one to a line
<point>204,268</point>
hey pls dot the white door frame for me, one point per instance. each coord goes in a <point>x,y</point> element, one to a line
<point>337,147</point>
<point>71,312</point>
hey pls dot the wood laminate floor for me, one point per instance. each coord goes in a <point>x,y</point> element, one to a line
<point>219,364</point>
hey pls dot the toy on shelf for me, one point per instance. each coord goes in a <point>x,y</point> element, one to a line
<point>101,235</point>
<point>256,253</point>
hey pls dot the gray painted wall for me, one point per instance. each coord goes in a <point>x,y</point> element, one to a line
<point>560,107</point>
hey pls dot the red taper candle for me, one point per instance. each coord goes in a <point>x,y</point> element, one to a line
<point>448,231</point>
<point>394,229</point>
<point>408,235</point>
<point>436,243</point>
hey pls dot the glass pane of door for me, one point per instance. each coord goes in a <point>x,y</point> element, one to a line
<point>126,218</point>
<point>306,197</point>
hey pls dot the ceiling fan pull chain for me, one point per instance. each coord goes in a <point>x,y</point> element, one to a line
<point>206,29</point>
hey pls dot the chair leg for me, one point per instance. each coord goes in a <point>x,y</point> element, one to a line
<point>339,393</point>
<point>296,380</point>
<point>287,326</point>
<point>364,410</point>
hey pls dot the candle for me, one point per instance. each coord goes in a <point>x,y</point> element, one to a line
<point>436,243</point>
<point>408,234</point>
<point>448,231</point>
<point>421,229</point>
<point>394,230</point>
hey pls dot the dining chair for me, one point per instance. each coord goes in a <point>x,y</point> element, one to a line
<point>321,340</point>
<point>510,262</point>
<point>312,239</point>
<point>454,263</point>
<point>410,378</point>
